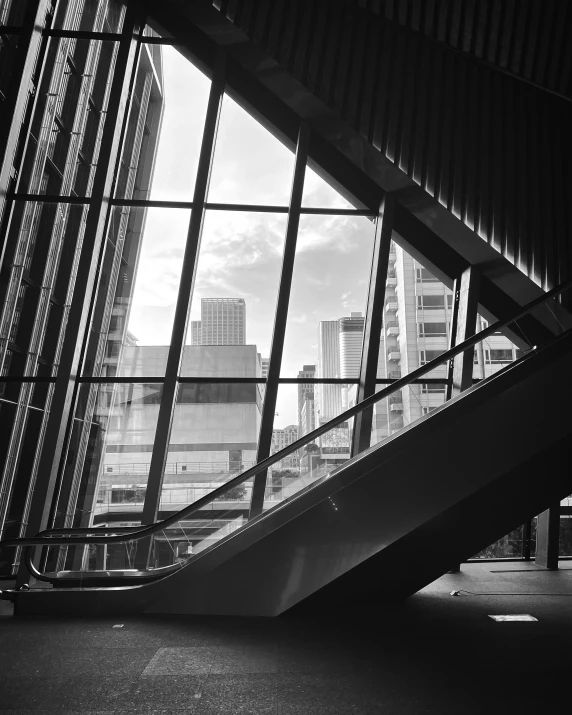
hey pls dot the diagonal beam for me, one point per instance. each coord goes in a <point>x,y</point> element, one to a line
<point>373,324</point>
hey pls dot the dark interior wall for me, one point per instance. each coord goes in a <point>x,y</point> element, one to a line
<point>447,94</point>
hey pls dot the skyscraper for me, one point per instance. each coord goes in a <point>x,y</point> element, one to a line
<point>350,338</point>
<point>196,332</point>
<point>223,322</point>
<point>328,397</point>
<point>305,391</point>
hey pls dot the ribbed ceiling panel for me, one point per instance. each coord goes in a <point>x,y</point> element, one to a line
<point>492,148</point>
<point>529,38</point>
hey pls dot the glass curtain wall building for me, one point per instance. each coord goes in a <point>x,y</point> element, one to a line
<point>182,293</point>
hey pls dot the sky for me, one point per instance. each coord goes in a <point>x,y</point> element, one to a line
<point>241,252</point>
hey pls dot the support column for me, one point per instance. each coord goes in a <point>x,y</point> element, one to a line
<point>361,437</point>
<point>466,299</point>
<point>184,298</point>
<point>269,409</point>
<point>463,325</point>
<point>547,538</point>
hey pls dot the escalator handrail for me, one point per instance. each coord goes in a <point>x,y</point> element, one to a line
<point>87,535</point>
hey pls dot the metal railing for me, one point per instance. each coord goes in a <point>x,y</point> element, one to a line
<point>109,535</point>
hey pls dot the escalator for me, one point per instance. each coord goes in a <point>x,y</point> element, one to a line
<point>378,527</point>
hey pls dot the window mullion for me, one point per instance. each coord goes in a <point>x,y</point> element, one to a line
<point>182,310</point>
<point>271,394</point>
<point>361,437</point>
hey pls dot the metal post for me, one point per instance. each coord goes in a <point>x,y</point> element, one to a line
<point>547,538</point>
<point>267,423</point>
<point>463,326</point>
<point>64,390</point>
<point>373,323</point>
<point>188,271</point>
<point>526,539</point>
<point>19,93</point>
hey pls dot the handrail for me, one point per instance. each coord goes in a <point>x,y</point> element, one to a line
<point>50,536</point>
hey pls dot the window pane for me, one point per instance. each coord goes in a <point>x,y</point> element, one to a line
<point>417,312</point>
<point>319,194</point>
<point>328,296</point>
<point>166,123</point>
<point>250,165</point>
<point>133,320</point>
<point>236,289</point>
<point>108,460</point>
<point>213,439</point>
<point>431,330</point>
<point>43,248</point>
<point>296,415</point>
<point>67,126</point>
<point>510,546</point>
<point>494,353</point>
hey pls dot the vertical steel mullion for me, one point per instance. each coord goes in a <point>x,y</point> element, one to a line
<point>87,268</point>
<point>17,97</point>
<point>267,422</point>
<point>461,372</point>
<point>188,271</point>
<point>452,336</point>
<point>361,437</point>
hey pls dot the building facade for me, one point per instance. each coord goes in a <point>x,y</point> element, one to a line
<point>60,156</point>
<point>328,397</point>
<point>306,392</point>
<point>223,322</point>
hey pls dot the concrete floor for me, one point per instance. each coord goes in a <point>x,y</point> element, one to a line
<point>436,654</point>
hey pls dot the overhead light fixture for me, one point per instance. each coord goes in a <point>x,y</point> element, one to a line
<point>515,617</point>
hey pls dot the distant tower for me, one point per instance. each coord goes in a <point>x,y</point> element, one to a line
<point>350,341</point>
<point>305,390</point>
<point>328,397</point>
<point>223,321</point>
<point>196,332</point>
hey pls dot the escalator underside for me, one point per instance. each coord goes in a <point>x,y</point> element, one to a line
<point>388,522</point>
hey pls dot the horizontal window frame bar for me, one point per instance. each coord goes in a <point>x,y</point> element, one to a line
<point>50,199</point>
<point>154,379</point>
<point>148,203</point>
<point>11,29</point>
<point>82,34</point>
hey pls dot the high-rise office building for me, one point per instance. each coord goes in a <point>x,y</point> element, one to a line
<point>281,438</point>
<point>61,154</point>
<point>305,390</point>
<point>308,415</point>
<point>328,397</point>
<point>350,338</point>
<point>196,338</point>
<point>417,325</point>
<point>223,322</point>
